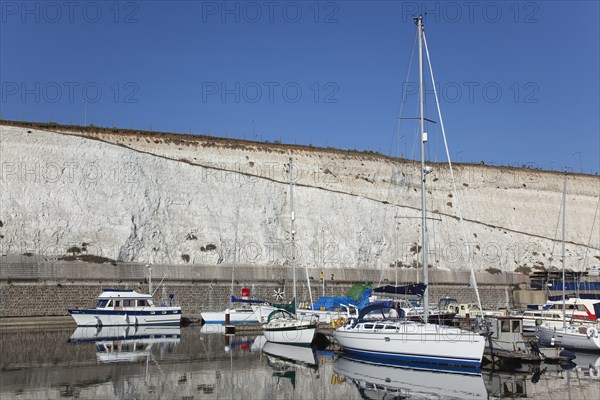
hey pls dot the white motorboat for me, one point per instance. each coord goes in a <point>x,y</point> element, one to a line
<point>383,380</point>
<point>284,327</point>
<point>126,307</point>
<point>576,310</point>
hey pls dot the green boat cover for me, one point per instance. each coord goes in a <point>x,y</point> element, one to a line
<point>356,291</point>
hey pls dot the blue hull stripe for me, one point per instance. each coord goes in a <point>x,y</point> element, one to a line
<point>124,312</point>
<point>462,370</point>
<point>222,322</point>
<point>467,362</point>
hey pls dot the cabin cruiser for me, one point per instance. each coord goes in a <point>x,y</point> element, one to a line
<point>126,307</point>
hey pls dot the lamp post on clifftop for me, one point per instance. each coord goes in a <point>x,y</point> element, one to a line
<point>580,165</point>
<point>84,113</point>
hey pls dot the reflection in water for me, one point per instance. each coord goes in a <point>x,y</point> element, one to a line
<point>291,355</point>
<point>127,343</point>
<point>588,364</point>
<point>379,380</point>
<point>187,363</point>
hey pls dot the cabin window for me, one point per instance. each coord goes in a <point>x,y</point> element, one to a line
<point>128,303</point>
<point>117,303</point>
<point>142,303</point>
<point>102,303</point>
<point>505,326</point>
<point>581,307</point>
<point>516,326</point>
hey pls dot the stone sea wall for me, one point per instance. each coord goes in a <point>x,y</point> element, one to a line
<point>31,288</point>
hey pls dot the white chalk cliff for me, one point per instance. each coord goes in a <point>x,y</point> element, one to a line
<point>183,199</point>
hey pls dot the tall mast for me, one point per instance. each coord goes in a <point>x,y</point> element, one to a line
<point>419,22</point>
<point>237,218</point>
<point>564,207</point>
<point>293,232</point>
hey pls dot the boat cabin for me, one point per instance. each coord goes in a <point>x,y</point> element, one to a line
<point>506,329</point>
<point>112,299</point>
<point>471,310</point>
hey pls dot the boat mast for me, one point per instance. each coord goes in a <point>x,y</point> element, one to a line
<point>564,207</point>
<point>237,218</point>
<point>419,22</point>
<point>293,232</point>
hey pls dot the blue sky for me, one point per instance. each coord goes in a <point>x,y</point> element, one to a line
<point>519,81</point>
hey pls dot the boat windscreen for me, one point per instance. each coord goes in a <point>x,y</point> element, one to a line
<point>102,303</point>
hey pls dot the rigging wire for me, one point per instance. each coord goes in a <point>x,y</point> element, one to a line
<point>584,261</point>
<point>402,100</point>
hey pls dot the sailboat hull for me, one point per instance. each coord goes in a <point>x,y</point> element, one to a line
<point>248,316</point>
<point>572,337</point>
<point>295,332</point>
<point>413,342</point>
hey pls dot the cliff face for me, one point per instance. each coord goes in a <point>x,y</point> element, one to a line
<point>176,199</point>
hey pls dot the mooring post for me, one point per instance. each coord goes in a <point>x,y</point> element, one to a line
<point>229,328</point>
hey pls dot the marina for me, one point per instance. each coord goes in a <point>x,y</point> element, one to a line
<point>339,200</point>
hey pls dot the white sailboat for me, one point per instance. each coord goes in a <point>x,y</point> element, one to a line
<point>575,335</point>
<point>283,326</point>
<point>374,335</point>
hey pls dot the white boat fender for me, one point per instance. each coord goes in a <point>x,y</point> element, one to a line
<point>592,332</point>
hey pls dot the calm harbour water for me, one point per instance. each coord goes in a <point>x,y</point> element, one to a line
<point>195,363</point>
